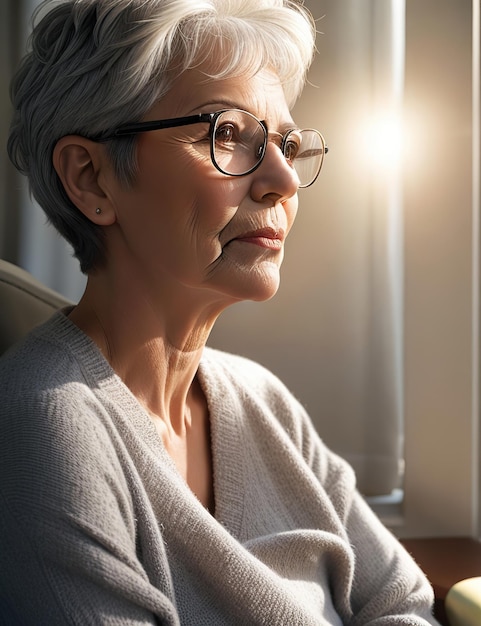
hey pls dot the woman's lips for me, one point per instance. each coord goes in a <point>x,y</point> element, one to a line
<point>264,237</point>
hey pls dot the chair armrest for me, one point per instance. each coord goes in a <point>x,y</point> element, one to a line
<point>24,303</point>
<point>463,603</point>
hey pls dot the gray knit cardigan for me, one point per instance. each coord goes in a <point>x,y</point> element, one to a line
<point>98,528</point>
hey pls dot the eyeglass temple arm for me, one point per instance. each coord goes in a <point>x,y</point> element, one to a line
<point>142,127</point>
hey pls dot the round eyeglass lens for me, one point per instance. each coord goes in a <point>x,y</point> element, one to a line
<point>304,150</point>
<point>238,142</point>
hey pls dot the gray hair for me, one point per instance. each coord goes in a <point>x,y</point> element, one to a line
<point>94,65</point>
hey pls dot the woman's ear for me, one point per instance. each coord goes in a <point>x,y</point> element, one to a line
<point>78,162</point>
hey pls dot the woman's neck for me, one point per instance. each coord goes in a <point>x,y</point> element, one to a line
<point>154,346</point>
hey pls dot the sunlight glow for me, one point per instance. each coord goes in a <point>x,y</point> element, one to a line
<point>383,142</point>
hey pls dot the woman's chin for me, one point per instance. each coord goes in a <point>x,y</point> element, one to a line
<point>259,285</point>
<point>265,294</point>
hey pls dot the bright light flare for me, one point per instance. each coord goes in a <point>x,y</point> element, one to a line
<point>383,142</point>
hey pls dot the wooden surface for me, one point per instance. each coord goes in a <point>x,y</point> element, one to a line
<point>445,561</point>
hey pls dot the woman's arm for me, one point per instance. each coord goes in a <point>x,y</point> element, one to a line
<point>388,587</point>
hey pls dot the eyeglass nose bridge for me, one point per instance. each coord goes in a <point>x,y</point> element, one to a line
<point>281,143</point>
<point>278,139</point>
<point>262,149</point>
<point>271,135</point>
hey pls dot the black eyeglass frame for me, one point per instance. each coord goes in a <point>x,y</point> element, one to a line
<point>211,118</point>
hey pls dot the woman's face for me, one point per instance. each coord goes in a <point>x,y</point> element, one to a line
<point>185,224</point>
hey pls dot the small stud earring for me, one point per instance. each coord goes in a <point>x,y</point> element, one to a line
<point>98,211</point>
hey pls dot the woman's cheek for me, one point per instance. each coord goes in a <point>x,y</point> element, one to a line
<point>290,207</point>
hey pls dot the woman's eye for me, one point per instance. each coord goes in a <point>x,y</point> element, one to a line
<point>291,150</point>
<point>225,133</point>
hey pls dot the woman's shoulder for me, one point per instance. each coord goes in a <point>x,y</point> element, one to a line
<point>46,378</point>
<point>54,433</point>
<point>38,355</point>
<point>48,356</point>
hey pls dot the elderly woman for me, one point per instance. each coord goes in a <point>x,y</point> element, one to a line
<point>144,477</point>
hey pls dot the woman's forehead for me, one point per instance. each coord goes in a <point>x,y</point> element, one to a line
<point>194,91</point>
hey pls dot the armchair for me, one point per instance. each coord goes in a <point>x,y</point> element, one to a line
<point>463,603</point>
<point>24,303</point>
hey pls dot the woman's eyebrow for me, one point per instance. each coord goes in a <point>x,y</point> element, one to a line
<point>218,105</point>
<point>212,106</point>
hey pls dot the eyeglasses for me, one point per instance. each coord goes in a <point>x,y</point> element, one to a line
<point>238,142</point>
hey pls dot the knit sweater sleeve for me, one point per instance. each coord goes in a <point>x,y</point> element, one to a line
<point>387,588</point>
<point>67,518</point>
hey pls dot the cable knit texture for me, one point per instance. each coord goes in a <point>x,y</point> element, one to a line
<point>98,528</point>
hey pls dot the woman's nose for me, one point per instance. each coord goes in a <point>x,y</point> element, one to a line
<point>274,176</point>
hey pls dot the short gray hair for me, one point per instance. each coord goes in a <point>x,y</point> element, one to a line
<point>94,65</point>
